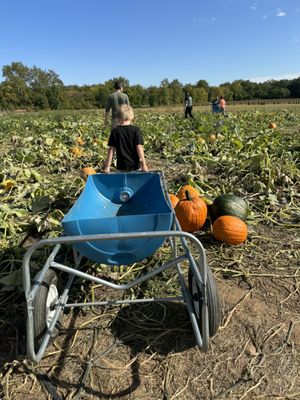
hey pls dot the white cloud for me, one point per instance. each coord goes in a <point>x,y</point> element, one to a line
<point>259,79</point>
<point>203,20</point>
<point>198,20</point>
<point>280,13</point>
<point>265,17</point>
<point>253,8</point>
<point>295,39</point>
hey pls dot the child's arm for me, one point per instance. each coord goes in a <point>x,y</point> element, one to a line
<point>140,151</point>
<point>108,107</point>
<point>110,154</point>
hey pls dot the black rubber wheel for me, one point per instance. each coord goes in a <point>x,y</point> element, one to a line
<point>43,309</point>
<point>212,301</point>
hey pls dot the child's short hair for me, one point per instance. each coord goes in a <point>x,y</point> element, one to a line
<point>125,113</point>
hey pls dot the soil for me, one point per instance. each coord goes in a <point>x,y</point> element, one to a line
<point>148,351</point>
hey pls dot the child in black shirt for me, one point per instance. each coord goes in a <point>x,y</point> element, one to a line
<point>126,140</point>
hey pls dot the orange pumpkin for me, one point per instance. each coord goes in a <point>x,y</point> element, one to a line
<point>85,172</point>
<point>174,199</point>
<point>191,212</point>
<point>182,191</point>
<point>76,151</point>
<point>229,229</point>
<point>272,125</point>
<point>8,184</point>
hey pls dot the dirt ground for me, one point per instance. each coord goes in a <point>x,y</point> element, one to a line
<point>148,352</point>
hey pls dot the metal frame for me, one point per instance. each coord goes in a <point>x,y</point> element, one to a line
<point>31,288</point>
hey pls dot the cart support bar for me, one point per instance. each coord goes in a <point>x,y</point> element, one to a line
<point>126,286</point>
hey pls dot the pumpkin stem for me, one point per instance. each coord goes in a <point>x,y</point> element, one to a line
<point>187,195</point>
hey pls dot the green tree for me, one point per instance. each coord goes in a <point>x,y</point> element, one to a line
<point>203,84</point>
<point>8,97</point>
<point>111,83</point>
<point>153,96</point>
<point>176,92</point>
<point>200,95</point>
<point>16,77</point>
<point>165,83</point>
<point>294,87</point>
<point>238,91</point>
<point>214,92</point>
<point>164,96</point>
<point>136,95</point>
<point>46,88</point>
<point>31,86</point>
<point>102,95</point>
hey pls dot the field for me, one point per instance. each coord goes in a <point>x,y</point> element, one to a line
<point>148,352</point>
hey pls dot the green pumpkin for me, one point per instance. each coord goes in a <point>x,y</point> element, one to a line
<point>229,204</point>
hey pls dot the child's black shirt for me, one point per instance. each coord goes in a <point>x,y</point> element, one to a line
<point>125,138</point>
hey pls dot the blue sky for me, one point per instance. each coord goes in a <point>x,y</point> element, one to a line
<point>91,41</point>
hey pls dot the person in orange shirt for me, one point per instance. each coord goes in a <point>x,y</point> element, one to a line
<point>222,105</point>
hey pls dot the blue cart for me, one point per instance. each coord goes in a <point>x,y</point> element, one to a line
<point>215,108</point>
<point>119,219</point>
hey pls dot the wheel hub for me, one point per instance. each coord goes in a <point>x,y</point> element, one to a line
<point>52,298</point>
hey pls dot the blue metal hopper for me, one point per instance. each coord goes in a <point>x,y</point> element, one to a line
<point>119,203</point>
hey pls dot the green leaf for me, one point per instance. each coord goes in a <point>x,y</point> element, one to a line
<point>40,204</point>
<point>272,199</point>
<point>54,222</point>
<point>13,279</point>
<point>27,172</point>
<point>20,212</point>
<point>49,141</point>
<point>259,187</point>
<point>35,175</point>
<point>238,144</point>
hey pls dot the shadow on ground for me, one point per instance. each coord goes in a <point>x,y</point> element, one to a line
<point>154,327</point>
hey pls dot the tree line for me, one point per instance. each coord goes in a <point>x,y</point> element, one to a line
<point>35,89</point>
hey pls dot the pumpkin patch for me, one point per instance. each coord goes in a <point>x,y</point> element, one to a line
<point>39,183</point>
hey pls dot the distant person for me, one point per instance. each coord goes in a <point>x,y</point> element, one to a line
<point>115,100</point>
<point>127,142</point>
<point>222,105</point>
<point>215,105</point>
<point>188,105</point>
